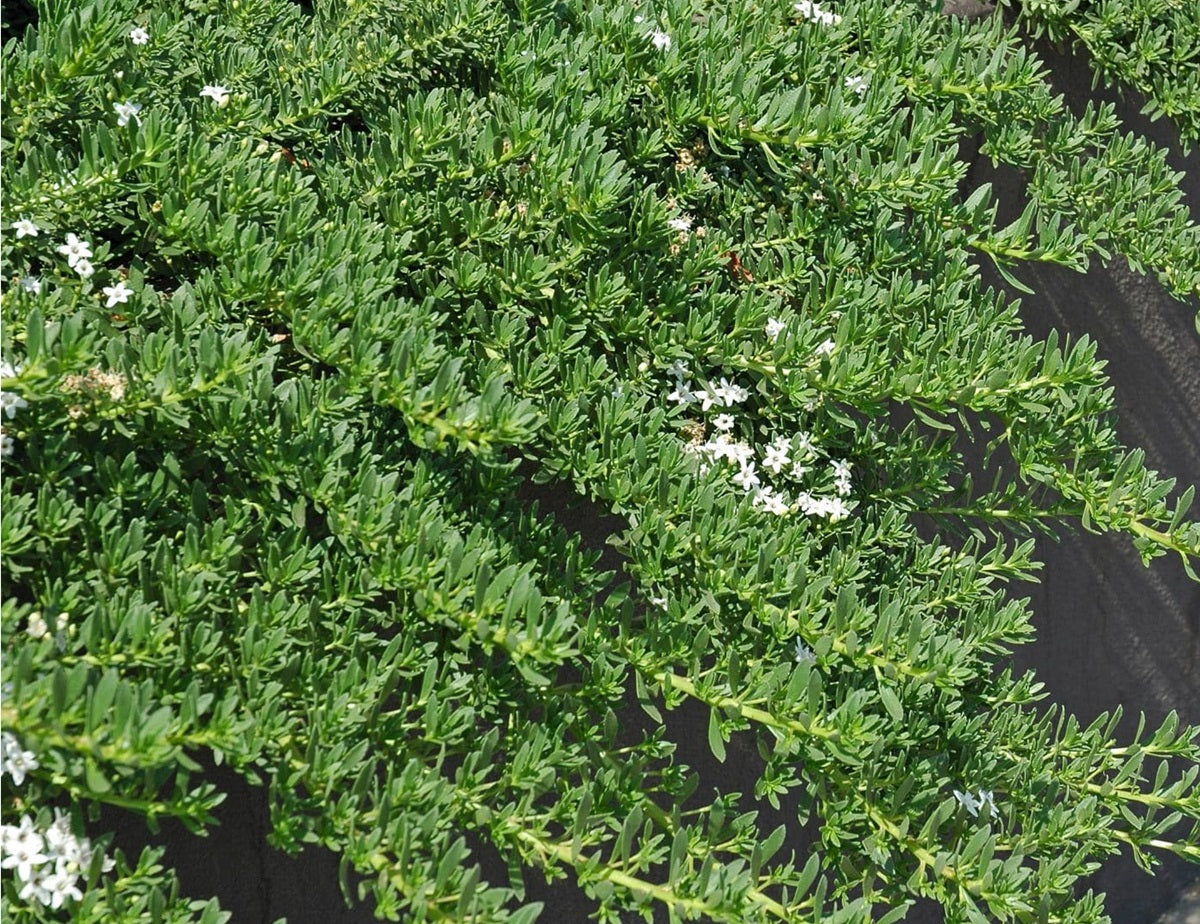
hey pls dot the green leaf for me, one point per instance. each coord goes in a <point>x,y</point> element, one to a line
<point>102,695</point>
<point>899,913</point>
<point>808,875</point>
<point>679,852</point>
<point>58,689</point>
<point>1181,508</point>
<point>975,844</point>
<point>35,335</point>
<point>815,698</point>
<point>643,697</point>
<point>715,742</point>
<point>583,813</point>
<point>773,842</point>
<point>1008,277</point>
<point>468,891</point>
<point>796,683</point>
<point>629,830</point>
<point>96,781</point>
<point>527,914</point>
<point>929,419</point>
<point>891,703</point>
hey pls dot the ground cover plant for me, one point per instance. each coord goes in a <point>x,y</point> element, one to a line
<point>303,301</point>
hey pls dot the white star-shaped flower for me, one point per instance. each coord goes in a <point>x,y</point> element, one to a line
<point>118,294</point>
<point>31,284</point>
<point>742,453</point>
<point>23,849</point>
<point>682,394</point>
<point>723,422</point>
<point>720,448</point>
<point>856,84</point>
<point>967,801</point>
<point>75,852</point>
<point>730,393</point>
<point>62,884</point>
<point>75,250</point>
<point>84,267</point>
<point>831,507</point>
<point>766,499</point>
<point>747,478</point>
<point>776,456</point>
<point>25,228</point>
<point>139,36</point>
<point>126,111</point>
<point>33,890</point>
<point>808,9</point>
<point>834,508</point>
<point>18,762</point>
<point>659,39</point>
<point>217,93</point>
<point>11,402</point>
<point>706,398</point>
<point>841,477</point>
<point>683,224</point>
<point>774,328</point>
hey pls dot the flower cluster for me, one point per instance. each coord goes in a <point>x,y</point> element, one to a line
<point>832,508</point>
<point>787,458</point>
<point>14,760</point>
<point>811,10</point>
<point>126,111</point>
<point>856,84</point>
<point>689,165</point>
<point>95,385</point>
<point>681,224</point>
<point>660,40</point>
<point>48,863</point>
<point>10,402</point>
<point>78,251</point>
<point>79,255</point>
<point>985,800</point>
<point>39,628</point>
<point>217,93</point>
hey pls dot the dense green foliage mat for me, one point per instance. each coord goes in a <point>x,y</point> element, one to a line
<point>304,302</point>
